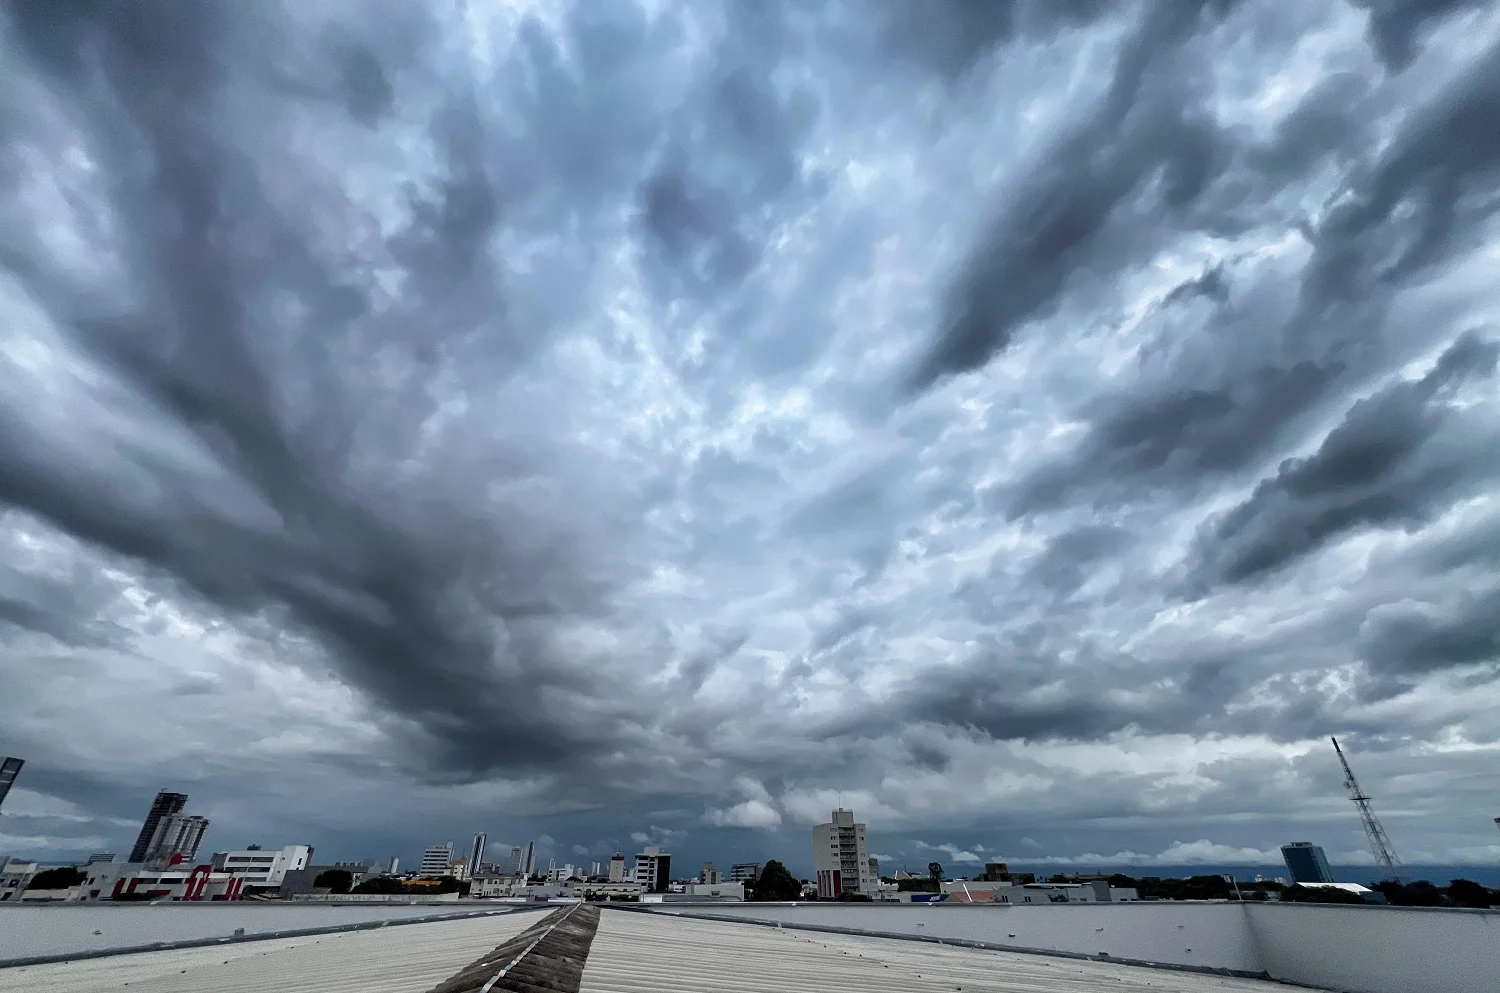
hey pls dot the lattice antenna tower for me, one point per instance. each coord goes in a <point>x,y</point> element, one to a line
<point>1380,842</point>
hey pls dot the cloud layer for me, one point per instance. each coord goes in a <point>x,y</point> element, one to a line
<point>1013,421</point>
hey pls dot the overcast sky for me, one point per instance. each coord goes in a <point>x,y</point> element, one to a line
<point>1035,425</point>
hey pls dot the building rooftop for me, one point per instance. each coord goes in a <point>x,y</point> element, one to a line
<point>410,958</point>
<point>579,949</point>
<point>660,953</point>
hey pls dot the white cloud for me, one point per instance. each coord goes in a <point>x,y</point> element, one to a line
<point>580,850</point>
<point>1201,852</point>
<point>750,814</point>
<point>954,853</point>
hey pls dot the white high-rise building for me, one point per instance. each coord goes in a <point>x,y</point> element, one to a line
<point>176,835</point>
<point>710,875</point>
<point>617,868</point>
<point>653,869</point>
<point>841,857</point>
<point>476,853</point>
<point>523,860</point>
<point>436,860</point>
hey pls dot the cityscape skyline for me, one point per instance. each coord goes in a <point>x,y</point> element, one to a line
<point>1037,427</point>
<point>166,831</point>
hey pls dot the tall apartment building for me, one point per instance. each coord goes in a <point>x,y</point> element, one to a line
<point>165,805</point>
<point>841,857</point>
<point>653,869</point>
<point>10,768</point>
<point>176,839</point>
<point>523,860</point>
<point>476,853</point>
<point>1306,862</point>
<point>616,868</point>
<point>744,872</point>
<point>436,860</point>
<point>710,876</point>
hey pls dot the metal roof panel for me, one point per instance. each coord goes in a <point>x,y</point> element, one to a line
<point>409,958</point>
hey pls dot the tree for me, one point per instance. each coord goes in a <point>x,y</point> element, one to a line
<point>57,879</point>
<point>935,871</point>
<point>1467,893</point>
<point>385,885</point>
<point>776,883</point>
<point>1418,894</point>
<point>336,880</point>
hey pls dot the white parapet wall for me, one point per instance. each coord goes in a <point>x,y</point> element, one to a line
<point>1350,949</point>
<point>1379,949</point>
<point>1200,935</point>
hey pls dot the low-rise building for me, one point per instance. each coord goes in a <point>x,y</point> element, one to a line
<point>136,881</point>
<point>258,867</point>
<point>744,872</point>
<point>983,891</point>
<point>14,877</point>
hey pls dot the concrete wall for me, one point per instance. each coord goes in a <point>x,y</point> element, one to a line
<point>71,928</point>
<point>1379,949</point>
<point>1351,949</point>
<point>1203,935</point>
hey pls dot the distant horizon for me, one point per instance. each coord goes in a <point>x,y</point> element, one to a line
<point>1038,427</point>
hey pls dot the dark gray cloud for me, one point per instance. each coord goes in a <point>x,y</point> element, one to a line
<point>1399,457</point>
<point>1397,27</point>
<point>674,423</point>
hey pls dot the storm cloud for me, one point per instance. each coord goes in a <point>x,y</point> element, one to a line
<point>609,421</point>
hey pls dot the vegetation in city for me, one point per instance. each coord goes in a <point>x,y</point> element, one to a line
<point>1421,893</point>
<point>57,879</point>
<point>391,886</point>
<point>335,880</point>
<point>776,883</point>
<point>935,871</point>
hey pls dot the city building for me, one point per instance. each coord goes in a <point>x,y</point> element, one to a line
<point>100,857</point>
<point>175,840</point>
<point>983,891</point>
<point>165,805</point>
<point>841,857</point>
<point>395,866</point>
<point>596,869</point>
<point>744,872</point>
<point>133,881</point>
<point>653,869</point>
<point>1306,862</point>
<point>13,878</point>
<point>709,876</point>
<point>10,768</point>
<point>436,860</point>
<point>616,872</point>
<point>476,853</point>
<point>523,860</point>
<point>257,867</point>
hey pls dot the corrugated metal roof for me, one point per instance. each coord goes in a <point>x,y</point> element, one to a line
<point>546,956</point>
<point>410,958</point>
<point>646,953</point>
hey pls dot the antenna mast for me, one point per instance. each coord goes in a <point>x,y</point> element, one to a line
<point>1380,843</point>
